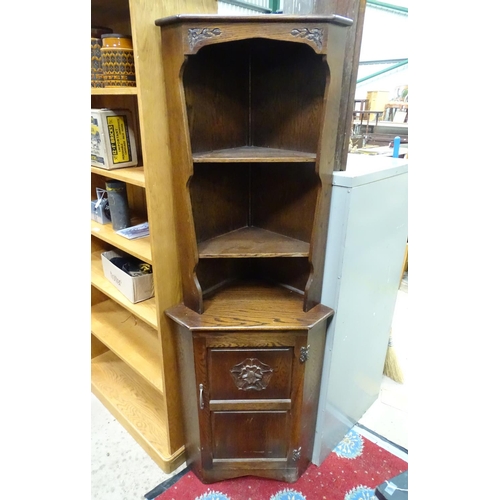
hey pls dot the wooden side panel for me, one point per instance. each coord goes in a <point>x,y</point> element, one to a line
<point>188,392</point>
<point>219,198</point>
<point>96,296</point>
<point>96,347</point>
<point>216,273</point>
<point>284,198</point>
<point>179,168</point>
<point>312,380</point>
<point>355,10</point>
<point>159,160</point>
<point>114,14</point>
<point>216,83</point>
<point>332,124</point>
<point>292,273</point>
<point>287,95</point>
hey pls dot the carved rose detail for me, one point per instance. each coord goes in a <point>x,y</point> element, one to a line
<point>197,35</point>
<point>314,35</point>
<point>251,374</point>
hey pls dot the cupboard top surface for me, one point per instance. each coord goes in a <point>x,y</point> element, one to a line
<point>254,306</point>
<point>364,169</point>
<point>261,19</point>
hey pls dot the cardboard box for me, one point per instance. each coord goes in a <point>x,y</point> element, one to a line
<point>135,288</point>
<point>112,139</point>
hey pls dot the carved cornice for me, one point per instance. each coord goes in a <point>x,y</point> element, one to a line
<point>314,35</point>
<point>197,35</point>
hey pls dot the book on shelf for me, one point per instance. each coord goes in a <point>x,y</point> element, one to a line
<point>134,232</point>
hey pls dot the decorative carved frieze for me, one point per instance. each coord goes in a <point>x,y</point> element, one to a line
<point>197,35</point>
<point>313,34</point>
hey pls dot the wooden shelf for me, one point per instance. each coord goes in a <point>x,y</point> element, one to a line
<point>130,339</point>
<point>145,310</point>
<point>251,306</point>
<point>140,248</point>
<point>252,242</point>
<point>136,405</point>
<point>114,91</point>
<point>253,154</point>
<point>130,175</point>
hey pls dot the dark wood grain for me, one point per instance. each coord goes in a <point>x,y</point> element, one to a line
<point>287,95</point>
<point>236,432</point>
<point>216,97</point>
<point>220,199</point>
<point>263,434</point>
<point>284,198</point>
<point>263,91</point>
<point>182,169</point>
<point>253,154</point>
<point>187,378</point>
<point>223,386</point>
<point>251,306</point>
<point>258,20</point>
<point>256,404</point>
<point>252,242</point>
<point>258,104</point>
<point>354,10</point>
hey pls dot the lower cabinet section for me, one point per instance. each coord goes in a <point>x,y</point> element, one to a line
<point>250,397</point>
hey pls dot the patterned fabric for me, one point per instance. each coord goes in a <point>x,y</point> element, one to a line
<point>351,472</point>
<point>361,493</point>
<point>351,446</point>
<point>213,495</point>
<point>288,495</point>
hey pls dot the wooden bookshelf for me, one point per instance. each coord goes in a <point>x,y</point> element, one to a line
<point>114,91</point>
<point>130,339</point>
<point>130,175</point>
<point>145,310</point>
<point>132,344</point>
<point>140,247</point>
<point>136,405</point>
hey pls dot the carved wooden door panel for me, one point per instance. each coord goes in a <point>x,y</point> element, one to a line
<point>250,394</point>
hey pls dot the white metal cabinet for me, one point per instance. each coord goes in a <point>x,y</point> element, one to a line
<point>366,242</point>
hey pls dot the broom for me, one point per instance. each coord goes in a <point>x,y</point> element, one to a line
<point>391,365</point>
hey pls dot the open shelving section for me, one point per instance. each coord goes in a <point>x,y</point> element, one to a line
<point>254,152</point>
<point>133,359</point>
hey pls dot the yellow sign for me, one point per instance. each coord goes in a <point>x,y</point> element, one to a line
<point>119,139</point>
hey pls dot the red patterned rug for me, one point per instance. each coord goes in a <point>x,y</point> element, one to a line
<point>351,472</point>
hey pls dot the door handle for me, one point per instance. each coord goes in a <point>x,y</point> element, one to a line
<point>202,404</point>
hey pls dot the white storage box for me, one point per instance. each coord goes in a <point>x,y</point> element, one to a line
<point>112,139</point>
<point>135,288</point>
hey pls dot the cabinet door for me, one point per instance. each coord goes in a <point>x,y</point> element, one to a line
<point>250,394</point>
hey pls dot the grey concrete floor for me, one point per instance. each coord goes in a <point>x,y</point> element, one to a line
<point>122,470</point>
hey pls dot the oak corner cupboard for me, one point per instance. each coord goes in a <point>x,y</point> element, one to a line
<point>132,351</point>
<point>256,102</point>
